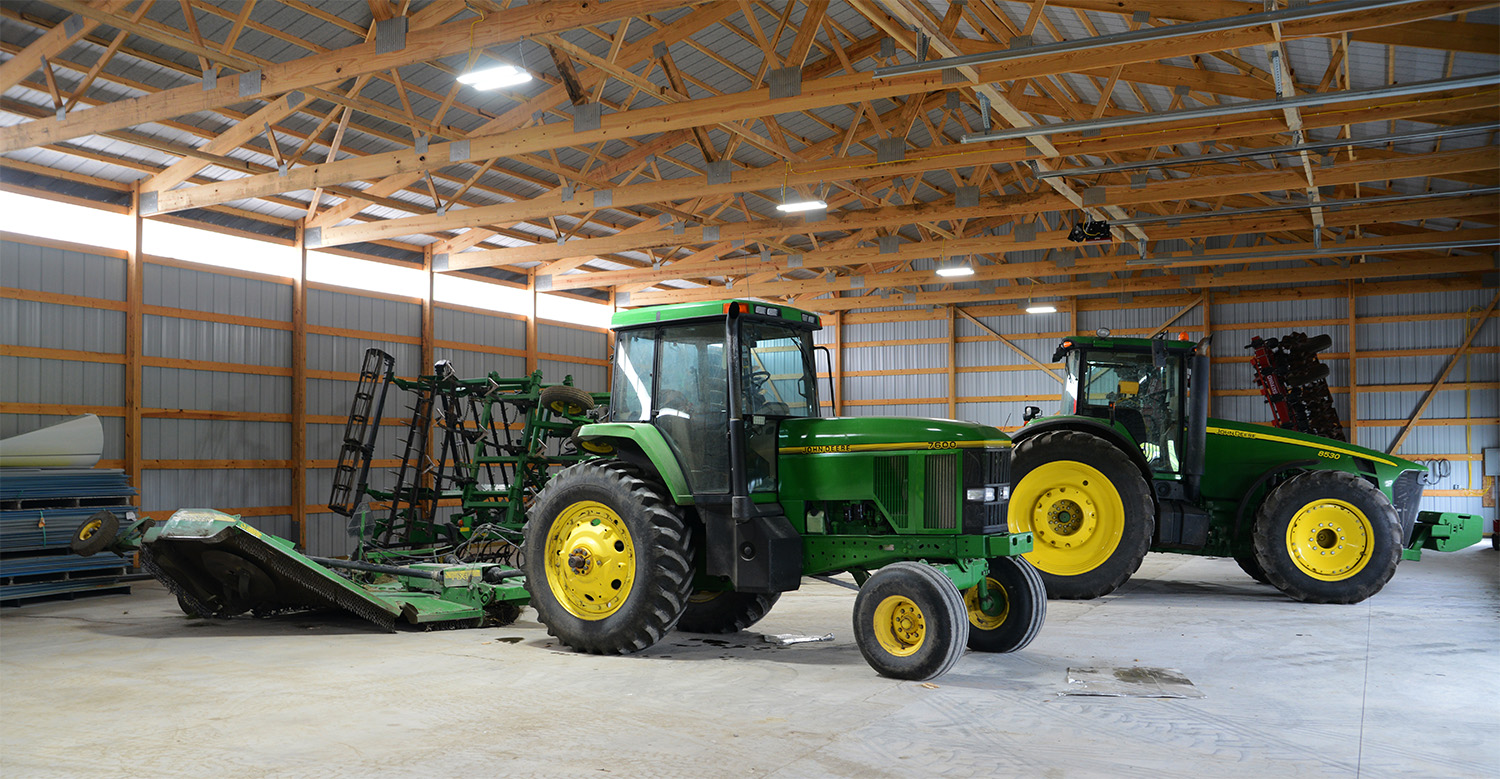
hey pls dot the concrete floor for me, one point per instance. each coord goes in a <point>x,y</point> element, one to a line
<point>1405,684</point>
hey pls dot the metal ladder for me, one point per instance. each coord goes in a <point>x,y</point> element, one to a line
<point>352,474</point>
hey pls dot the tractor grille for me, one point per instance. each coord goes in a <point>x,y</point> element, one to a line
<point>890,488</point>
<point>942,491</point>
<point>987,468</point>
<point>1407,494</point>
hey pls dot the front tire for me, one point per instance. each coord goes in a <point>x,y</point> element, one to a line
<point>1327,537</point>
<point>1016,611</point>
<point>1088,508</point>
<point>95,534</point>
<point>609,560</point>
<point>909,622</point>
<point>726,611</point>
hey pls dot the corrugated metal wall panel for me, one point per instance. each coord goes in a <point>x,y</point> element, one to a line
<point>895,331</point>
<point>358,312</point>
<point>474,328</point>
<point>212,439</point>
<point>188,339</point>
<point>31,380</point>
<point>66,272</point>
<point>473,364</point>
<point>593,378</point>
<point>202,290</point>
<point>168,490</point>
<point>215,391</point>
<point>570,341</point>
<point>346,355</point>
<point>327,536</point>
<point>53,326</point>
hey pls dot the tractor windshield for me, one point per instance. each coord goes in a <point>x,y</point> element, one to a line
<point>1128,388</point>
<point>777,377</point>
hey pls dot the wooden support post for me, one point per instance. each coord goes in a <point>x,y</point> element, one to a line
<point>1452,361</point>
<point>1073,316</point>
<point>429,337</point>
<point>1353,369</point>
<point>299,390</point>
<point>838,363</point>
<point>134,324</point>
<point>609,346</point>
<point>952,364</point>
<point>1208,332</point>
<point>531,361</point>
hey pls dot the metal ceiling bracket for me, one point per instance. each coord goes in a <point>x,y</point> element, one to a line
<point>719,172</point>
<point>889,244</point>
<point>458,151</point>
<point>440,262</point>
<point>249,83</point>
<point>148,203</point>
<point>604,198</point>
<point>544,282</point>
<point>390,35</point>
<point>784,82</point>
<point>890,150</point>
<point>210,79</point>
<point>586,117</point>
<point>710,232</point>
<point>966,197</point>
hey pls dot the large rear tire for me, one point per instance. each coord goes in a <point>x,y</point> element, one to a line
<point>1088,508</point>
<point>726,611</point>
<point>1327,537</point>
<point>909,622</point>
<point>609,560</point>
<point>1016,611</point>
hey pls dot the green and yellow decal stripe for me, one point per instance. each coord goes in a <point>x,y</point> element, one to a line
<point>1282,439</point>
<point>840,448</point>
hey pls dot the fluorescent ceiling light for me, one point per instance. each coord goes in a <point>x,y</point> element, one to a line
<point>493,78</point>
<point>956,270</point>
<point>802,205</point>
<point>1042,309</point>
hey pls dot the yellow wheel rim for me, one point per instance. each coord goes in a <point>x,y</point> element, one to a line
<point>597,447</point>
<point>1074,513</point>
<point>704,596</point>
<point>564,407</point>
<point>996,616</point>
<point>590,560</point>
<point>87,531</point>
<point>899,625</point>
<point>1330,539</point>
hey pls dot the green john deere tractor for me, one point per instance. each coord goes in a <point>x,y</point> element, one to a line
<point>1134,463</point>
<point>724,489</point>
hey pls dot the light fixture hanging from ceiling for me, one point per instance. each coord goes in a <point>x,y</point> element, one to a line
<point>797,204</point>
<point>954,267</point>
<point>502,75</point>
<point>1040,308</point>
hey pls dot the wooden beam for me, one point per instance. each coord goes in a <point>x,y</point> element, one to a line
<point>1457,355</point>
<point>53,42</point>
<point>753,103</point>
<point>916,162</point>
<point>308,72</point>
<point>299,391</point>
<point>1177,316</point>
<point>134,334</point>
<point>952,367</point>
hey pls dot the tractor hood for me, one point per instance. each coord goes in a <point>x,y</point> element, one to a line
<point>871,434</point>
<point>1312,445</point>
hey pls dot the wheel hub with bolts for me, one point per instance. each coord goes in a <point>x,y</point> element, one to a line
<point>1070,517</point>
<point>590,560</point>
<point>1329,539</point>
<point>989,611</point>
<point>900,626</point>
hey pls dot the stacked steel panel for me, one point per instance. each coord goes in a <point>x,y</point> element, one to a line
<point>40,511</point>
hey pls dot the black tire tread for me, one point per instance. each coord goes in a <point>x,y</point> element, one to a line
<point>571,395</point>
<point>953,642</point>
<point>1074,444</point>
<point>1030,584</point>
<point>666,587</point>
<point>1269,535</point>
<point>730,612</point>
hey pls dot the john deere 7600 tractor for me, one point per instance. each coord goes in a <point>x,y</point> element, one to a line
<point>724,489</point>
<point>1133,462</point>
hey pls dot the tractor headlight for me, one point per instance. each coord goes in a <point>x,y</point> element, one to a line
<point>1004,492</point>
<point>980,494</point>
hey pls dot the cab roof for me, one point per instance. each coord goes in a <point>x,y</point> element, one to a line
<point>717,309</point>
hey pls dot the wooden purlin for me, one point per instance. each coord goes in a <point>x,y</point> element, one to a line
<point>316,70</point>
<point>753,104</point>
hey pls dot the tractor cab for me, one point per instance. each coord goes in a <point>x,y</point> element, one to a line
<point>1138,385</point>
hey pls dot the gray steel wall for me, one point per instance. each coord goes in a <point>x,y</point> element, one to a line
<point>332,361</point>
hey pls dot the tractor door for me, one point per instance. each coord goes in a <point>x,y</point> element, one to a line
<point>1142,392</point>
<point>776,382</point>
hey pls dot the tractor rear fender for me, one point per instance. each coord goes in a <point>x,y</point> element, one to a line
<point>643,446</point>
<point>1249,504</point>
<point>1098,427</point>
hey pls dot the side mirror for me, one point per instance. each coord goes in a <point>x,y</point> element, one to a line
<point>1032,412</point>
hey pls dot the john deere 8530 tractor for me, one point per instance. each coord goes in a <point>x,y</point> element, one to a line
<point>1133,462</point>
<point>724,489</point>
